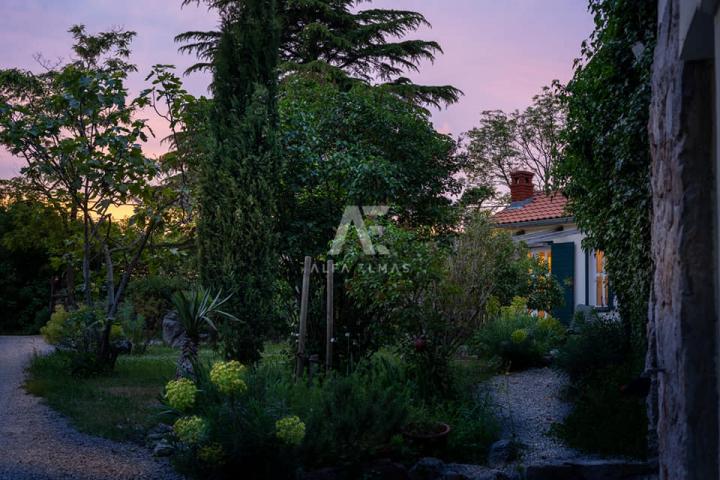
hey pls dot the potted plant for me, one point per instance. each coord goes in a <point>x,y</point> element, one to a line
<point>428,436</point>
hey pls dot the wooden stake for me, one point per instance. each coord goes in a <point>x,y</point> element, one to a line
<point>330,314</point>
<point>303,317</point>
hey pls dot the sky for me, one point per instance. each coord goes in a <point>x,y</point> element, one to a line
<point>498,52</point>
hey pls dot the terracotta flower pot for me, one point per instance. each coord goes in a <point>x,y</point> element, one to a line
<point>427,437</point>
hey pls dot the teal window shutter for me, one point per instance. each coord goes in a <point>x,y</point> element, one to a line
<point>563,269</point>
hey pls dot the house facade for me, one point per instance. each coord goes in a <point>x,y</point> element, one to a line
<point>541,221</point>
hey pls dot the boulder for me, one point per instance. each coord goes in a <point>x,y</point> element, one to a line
<point>162,449</point>
<point>173,331</point>
<point>433,469</point>
<point>592,470</point>
<point>501,453</point>
<point>427,468</point>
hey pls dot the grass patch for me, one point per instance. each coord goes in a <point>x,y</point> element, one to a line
<point>121,406</point>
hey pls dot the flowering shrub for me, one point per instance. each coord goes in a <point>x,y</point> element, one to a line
<point>290,430</point>
<point>227,377</point>
<point>212,454</point>
<point>519,336</point>
<point>180,394</point>
<point>190,430</point>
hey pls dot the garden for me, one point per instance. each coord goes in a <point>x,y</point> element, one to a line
<point>309,283</point>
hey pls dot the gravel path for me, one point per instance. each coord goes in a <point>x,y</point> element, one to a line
<point>36,443</point>
<point>529,403</point>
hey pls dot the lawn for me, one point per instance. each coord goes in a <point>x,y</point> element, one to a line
<point>122,406</point>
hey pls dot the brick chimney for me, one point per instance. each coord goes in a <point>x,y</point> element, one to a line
<point>521,185</point>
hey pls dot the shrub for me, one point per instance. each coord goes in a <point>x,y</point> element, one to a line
<point>604,420</point>
<point>151,298</point>
<point>474,429</point>
<point>351,418</point>
<point>227,377</point>
<point>276,425</point>
<point>180,394</point>
<point>290,430</point>
<point>598,343</point>
<point>133,327</point>
<point>74,329</point>
<point>190,430</point>
<point>518,338</point>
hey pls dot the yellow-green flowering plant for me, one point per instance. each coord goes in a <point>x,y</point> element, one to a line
<point>212,454</point>
<point>180,394</point>
<point>227,377</point>
<point>290,430</point>
<point>190,430</point>
<point>519,336</point>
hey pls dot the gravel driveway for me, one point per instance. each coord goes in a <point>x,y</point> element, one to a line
<point>37,443</point>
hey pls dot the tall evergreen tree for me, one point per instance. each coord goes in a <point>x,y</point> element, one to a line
<point>238,182</point>
<point>349,45</point>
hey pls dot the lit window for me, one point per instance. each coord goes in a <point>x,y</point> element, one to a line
<point>602,285</point>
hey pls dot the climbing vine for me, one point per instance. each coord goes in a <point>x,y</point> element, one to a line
<point>605,170</point>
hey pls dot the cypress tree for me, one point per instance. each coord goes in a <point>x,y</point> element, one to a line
<point>238,180</point>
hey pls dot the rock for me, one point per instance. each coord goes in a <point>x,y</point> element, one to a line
<point>173,331</point>
<point>592,470</point>
<point>433,469</point>
<point>501,453</point>
<point>163,449</point>
<point>386,470</point>
<point>122,346</point>
<point>155,437</point>
<point>380,469</point>
<point>161,428</point>
<point>457,471</point>
<point>427,468</point>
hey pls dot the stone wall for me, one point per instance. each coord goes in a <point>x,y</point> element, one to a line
<point>682,318</point>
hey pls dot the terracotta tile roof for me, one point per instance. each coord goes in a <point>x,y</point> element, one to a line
<point>538,207</point>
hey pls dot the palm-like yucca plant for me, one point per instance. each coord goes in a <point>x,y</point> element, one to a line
<point>196,310</point>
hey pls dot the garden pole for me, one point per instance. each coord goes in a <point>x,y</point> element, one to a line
<point>330,311</point>
<point>303,317</point>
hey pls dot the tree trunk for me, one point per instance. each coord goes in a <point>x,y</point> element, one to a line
<point>188,358</point>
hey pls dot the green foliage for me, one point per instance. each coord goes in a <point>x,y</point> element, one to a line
<point>357,147</point>
<point>196,310</point>
<point>151,297</point>
<point>277,425</point>
<point>356,415</point>
<point>604,420</point>
<point>336,40</point>
<point>528,140</point>
<point>544,291</point>
<point>518,338</point>
<point>429,298</point>
<point>239,179</point>
<point>473,426</point>
<point>30,239</point>
<point>72,329</point>
<point>597,343</point>
<point>133,327</point>
<point>605,169</point>
<point>122,406</point>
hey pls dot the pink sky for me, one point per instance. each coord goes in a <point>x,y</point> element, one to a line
<point>499,52</point>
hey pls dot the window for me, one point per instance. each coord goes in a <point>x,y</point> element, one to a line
<point>545,257</point>
<point>602,285</point>
<point>544,254</point>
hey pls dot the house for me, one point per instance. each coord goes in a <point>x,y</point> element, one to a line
<point>541,221</point>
